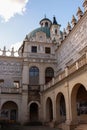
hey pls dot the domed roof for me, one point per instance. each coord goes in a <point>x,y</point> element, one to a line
<point>46,20</point>
<point>46,30</point>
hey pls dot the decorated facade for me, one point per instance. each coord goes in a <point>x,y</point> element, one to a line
<point>47,81</point>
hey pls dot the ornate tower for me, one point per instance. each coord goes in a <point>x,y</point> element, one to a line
<point>55,30</point>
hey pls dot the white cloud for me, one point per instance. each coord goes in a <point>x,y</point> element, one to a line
<point>8,8</point>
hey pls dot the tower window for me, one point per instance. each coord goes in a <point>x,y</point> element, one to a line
<point>56,31</point>
<point>46,24</point>
<point>34,49</point>
<point>47,50</point>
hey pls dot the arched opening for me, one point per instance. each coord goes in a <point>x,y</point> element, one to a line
<point>34,112</point>
<point>9,110</point>
<point>46,24</point>
<point>79,101</point>
<point>56,31</point>
<point>49,74</point>
<point>49,110</point>
<point>33,76</point>
<point>60,108</point>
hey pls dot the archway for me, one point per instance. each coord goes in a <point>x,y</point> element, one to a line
<point>79,103</point>
<point>34,112</point>
<point>49,110</point>
<point>9,110</point>
<point>60,108</point>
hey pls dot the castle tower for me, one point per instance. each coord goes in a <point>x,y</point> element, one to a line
<point>55,30</point>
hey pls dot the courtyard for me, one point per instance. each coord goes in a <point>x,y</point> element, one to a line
<point>28,128</point>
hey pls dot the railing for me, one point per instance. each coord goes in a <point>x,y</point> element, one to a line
<point>9,53</point>
<point>68,70</point>
<point>10,90</point>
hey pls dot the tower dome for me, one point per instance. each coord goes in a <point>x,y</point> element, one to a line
<point>45,22</point>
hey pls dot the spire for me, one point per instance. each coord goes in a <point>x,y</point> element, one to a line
<point>69,27</point>
<point>54,20</point>
<point>79,13</point>
<point>74,21</point>
<point>85,5</point>
<point>64,33</point>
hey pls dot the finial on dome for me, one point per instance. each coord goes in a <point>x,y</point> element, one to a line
<point>74,21</point>
<point>44,15</point>
<point>85,5</point>
<point>79,13</point>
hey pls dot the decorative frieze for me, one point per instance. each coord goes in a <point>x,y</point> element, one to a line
<point>10,68</point>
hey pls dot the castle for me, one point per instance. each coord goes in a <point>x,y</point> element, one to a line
<point>47,81</point>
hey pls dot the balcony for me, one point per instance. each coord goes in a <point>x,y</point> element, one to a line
<point>68,71</point>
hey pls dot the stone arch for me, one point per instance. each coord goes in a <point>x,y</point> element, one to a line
<point>79,103</point>
<point>60,107</point>
<point>34,111</point>
<point>49,109</point>
<point>9,110</point>
<point>49,74</point>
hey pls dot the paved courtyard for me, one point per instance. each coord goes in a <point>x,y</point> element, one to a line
<point>28,128</point>
<point>36,128</point>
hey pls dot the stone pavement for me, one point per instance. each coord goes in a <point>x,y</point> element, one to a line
<point>36,128</point>
<point>29,128</point>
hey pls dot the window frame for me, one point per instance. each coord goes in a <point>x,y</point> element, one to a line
<point>34,49</point>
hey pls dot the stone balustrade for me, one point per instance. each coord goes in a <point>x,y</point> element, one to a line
<point>68,70</point>
<point>10,53</point>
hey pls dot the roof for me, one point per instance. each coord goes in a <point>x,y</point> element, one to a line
<point>41,29</point>
<point>45,19</point>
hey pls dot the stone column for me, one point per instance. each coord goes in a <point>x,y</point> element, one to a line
<point>54,107</point>
<point>68,108</point>
<point>25,82</point>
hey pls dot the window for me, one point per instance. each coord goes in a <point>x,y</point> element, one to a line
<point>56,31</point>
<point>16,84</point>
<point>1,82</point>
<point>34,76</point>
<point>46,24</point>
<point>49,74</point>
<point>47,50</point>
<point>34,49</point>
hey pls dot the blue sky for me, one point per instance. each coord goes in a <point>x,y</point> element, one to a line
<point>19,17</point>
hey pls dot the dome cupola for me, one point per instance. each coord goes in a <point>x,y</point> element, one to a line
<point>45,22</point>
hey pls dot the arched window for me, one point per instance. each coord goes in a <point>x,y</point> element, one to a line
<point>34,76</point>
<point>56,31</point>
<point>49,74</point>
<point>46,24</point>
